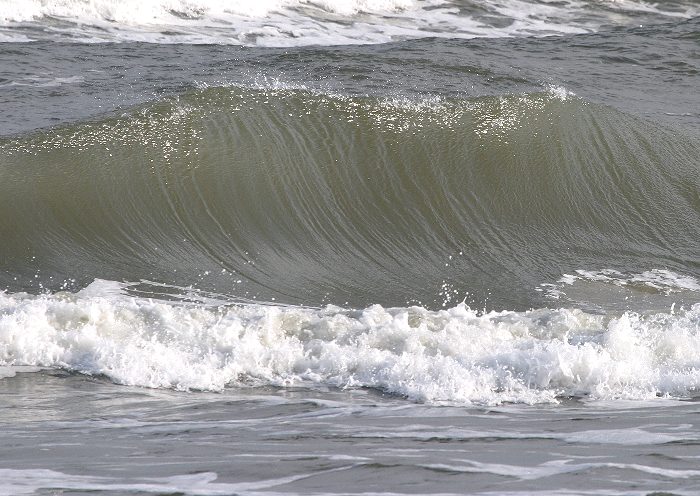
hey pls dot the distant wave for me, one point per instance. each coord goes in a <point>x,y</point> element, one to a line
<point>306,198</point>
<point>323,22</point>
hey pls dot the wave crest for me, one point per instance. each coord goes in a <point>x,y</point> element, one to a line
<point>313,199</point>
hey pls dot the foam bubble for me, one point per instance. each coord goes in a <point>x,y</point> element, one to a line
<point>453,355</point>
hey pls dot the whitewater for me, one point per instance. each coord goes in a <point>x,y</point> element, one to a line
<point>303,22</point>
<point>455,355</point>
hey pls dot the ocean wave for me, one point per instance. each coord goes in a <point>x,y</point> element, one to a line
<point>307,198</point>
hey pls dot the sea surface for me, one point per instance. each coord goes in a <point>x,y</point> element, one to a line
<point>349,247</point>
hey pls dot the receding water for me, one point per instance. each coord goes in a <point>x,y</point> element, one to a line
<point>98,437</point>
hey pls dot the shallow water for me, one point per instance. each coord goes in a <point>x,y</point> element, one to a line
<point>95,436</point>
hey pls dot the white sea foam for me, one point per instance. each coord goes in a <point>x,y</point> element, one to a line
<point>8,36</point>
<point>325,22</point>
<point>12,371</point>
<point>655,281</point>
<point>558,467</point>
<point>17,482</point>
<point>625,437</point>
<point>45,82</point>
<point>664,281</point>
<point>455,355</point>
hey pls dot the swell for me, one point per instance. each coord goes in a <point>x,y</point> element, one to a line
<point>299,197</point>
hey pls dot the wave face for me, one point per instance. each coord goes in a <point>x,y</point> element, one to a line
<point>324,22</point>
<point>305,198</point>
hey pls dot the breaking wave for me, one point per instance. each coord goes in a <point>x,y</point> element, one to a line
<point>318,22</point>
<point>245,237</point>
<point>455,355</point>
<point>304,198</point>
